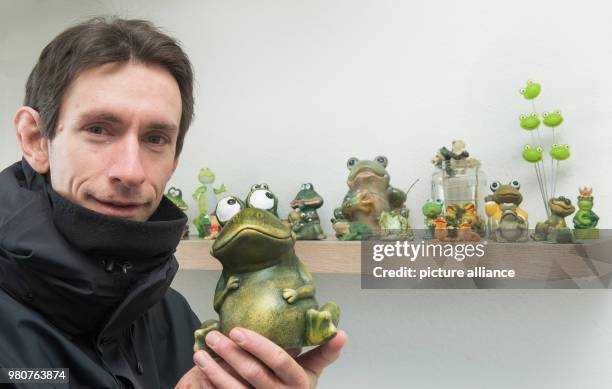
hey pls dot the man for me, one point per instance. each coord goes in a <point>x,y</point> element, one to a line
<point>87,237</point>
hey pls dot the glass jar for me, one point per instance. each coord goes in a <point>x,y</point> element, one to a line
<point>460,182</point>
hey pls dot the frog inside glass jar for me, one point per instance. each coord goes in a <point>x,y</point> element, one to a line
<point>460,183</point>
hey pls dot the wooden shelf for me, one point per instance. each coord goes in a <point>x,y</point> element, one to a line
<point>532,260</point>
<point>323,256</point>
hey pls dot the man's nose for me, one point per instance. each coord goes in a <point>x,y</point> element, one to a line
<point>126,167</point>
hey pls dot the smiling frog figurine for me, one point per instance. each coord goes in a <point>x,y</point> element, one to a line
<point>431,210</point>
<point>369,195</point>
<point>554,229</point>
<point>176,196</point>
<point>585,220</point>
<point>265,287</point>
<point>305,219</point>
<point>507,221</point>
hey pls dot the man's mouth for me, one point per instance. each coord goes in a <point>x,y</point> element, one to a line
<point>118,208</point>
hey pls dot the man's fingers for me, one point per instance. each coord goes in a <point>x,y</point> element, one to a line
<point>194,379</point>
<point>246,365</point>
<point>214,372</point>
<point>278,360</point>
<point>318,359</point>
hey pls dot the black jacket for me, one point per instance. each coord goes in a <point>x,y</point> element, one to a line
<point>89,292</point>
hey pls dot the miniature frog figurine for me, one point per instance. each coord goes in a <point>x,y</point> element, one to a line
<point>554,229</point>
<point>531,90</point>
<point>432,210</point>
<point>560,152</point>
<point>585,220</point>
<point>261,197</point>
<point>369,195</point>
<point>305,222</point>
<point>265,287</point>
<point>532,154</point>
<point>457,152</point>
<point>206,196</point>
<point>507,221</point>
<point>176,196</point>
<point>394,225</point>
<point>552,119</point>
<point>530,122</point>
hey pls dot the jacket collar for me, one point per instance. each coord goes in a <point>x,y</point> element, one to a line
<point>86,272</point>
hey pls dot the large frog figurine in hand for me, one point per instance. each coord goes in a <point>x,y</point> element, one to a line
<point>264,286</point>
<point>368,197</point>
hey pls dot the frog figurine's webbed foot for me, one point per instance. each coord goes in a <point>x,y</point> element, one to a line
<point>200,334</point>
<point>321,324</point>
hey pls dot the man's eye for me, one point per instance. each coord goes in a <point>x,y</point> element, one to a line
<point>96,130</point>
<point>156,139</point>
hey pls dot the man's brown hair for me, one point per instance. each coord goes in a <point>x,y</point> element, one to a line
<point>96,42</point>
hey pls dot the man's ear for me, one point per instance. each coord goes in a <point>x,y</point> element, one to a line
<point>34,146</point>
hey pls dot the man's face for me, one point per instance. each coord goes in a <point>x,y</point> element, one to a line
<point>114,148</point>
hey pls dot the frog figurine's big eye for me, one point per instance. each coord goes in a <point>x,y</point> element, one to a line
<point>351,162</point>
<point>495,186</point>
<point>262,199</point>
<point>515,184</point>
<point>439,201</point>
<point>227,208</point>
<point>381,159</point>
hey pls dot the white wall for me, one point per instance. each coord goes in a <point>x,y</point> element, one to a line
<point>289,90</point>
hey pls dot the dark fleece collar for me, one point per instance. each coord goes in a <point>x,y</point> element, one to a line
<point>87,273</point>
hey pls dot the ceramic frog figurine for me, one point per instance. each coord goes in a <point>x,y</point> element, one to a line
<point>554,229</point>
<point>176,196</point>
<point>305,219</point>
<point>432,210</point>
<point>507,221</point>
<point>368,196</point>
<point>261,197</point>
<point>264,286</point>
<point>585,220</point>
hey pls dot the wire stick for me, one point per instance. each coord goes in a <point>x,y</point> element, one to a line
<point>538,174</point>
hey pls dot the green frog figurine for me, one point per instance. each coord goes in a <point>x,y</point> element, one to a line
<point>305,219</point>
<point>585,220</point>
<point>554,229</point>
<point>206,196</point>
<point>264,286</point>
<point>432,209</point>
<point>176,196</point>
<point>369,195</point>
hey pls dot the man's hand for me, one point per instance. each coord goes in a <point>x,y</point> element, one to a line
<point>250,359</point>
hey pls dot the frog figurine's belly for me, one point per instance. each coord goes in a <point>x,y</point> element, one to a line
<point>258,304</point>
